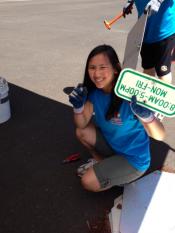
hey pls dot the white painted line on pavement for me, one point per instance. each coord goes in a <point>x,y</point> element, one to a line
<point>15,1</point>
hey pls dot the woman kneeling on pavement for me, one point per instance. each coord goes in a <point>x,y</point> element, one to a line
<point>115,131</point>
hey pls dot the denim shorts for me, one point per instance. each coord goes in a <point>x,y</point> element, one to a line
<point>113,170</point>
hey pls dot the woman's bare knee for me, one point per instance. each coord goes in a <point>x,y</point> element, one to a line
<point>90,182</point>
<point>87,136</point>
<point>82,136</point>
<point>79,133</point>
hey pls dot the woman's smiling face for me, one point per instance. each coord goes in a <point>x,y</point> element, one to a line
<point>101,72</point>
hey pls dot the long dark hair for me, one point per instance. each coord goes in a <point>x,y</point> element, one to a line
<point>108,51</point>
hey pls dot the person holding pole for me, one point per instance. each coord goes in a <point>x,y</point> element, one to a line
<point>159,38</point>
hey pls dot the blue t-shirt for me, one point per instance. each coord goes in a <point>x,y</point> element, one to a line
<point>160,25</point>
<point>124,133</point>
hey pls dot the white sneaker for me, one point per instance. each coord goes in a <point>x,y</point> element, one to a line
<point>84,167</point>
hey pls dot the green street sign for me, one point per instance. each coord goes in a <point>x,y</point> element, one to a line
<point>151,92</point>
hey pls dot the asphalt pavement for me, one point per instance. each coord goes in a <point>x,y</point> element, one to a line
<point>43,46</point>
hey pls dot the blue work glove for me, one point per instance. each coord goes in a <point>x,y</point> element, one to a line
<point>78,98</point>
<point>127,9</point>
<point>142,113</point>
<point>153,6</point>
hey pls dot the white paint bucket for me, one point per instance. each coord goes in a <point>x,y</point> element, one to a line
<point>4,101</point>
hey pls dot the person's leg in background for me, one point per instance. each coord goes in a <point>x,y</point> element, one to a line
<point>164,51</point>
<point>156,61</point>
<point>148,59</point>
<point>157,58</point>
